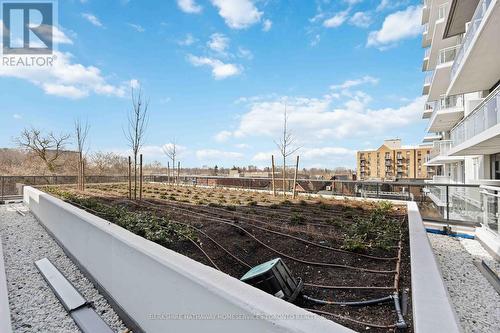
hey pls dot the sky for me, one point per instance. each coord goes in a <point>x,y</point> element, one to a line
<point>218,75</point>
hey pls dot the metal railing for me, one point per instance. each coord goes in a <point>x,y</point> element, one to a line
<point>440,148</point>
<point>484,116</point>
<point>473,27</point>
<point>428,78</point>
<point>437,201</point>
<point>447,54</point>
<point>491,203</point>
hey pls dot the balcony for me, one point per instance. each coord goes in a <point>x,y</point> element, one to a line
<point>426,59</point>
<point>441,77</point>
<point>440,154</point>
<point>447,112</point>
<point>427,82</point>
<point>426,41</point>
<point>432,137</point>
<point>476,66</point>
<point>426,8</point>
<point>479,132</point>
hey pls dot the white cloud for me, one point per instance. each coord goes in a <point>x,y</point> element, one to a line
<point>266,25</point>
<point>238,14</point>
<point>353,2</point>
<point>242,145</point>
<point>218,42</point>
<point>325,152</point>
<point>214,154</point>
<point>336,20</point>
<point>397,26</point>
<point>137,27</point>
<point>66,79</point>
<point>316,119</point>
<point>189,6</point>
<point>17,116</point>
<point>264,156</point>
<point>92,19</point>
<point>361,19</point>
<point>188,40</point>
<point>220,70</point>
<point>245,53</point>
<point>352,83</point>
<point>223,136</point>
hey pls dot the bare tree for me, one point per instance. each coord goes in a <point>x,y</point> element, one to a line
<point>171,151</point>
<point>286,145</point>
<point>47,147</point>
<point>81,133</point>
<point>136,130</point>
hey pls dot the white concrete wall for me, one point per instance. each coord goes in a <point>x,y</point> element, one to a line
<point>432,309</point>
<point>146,279</point>
<point>5,323</point>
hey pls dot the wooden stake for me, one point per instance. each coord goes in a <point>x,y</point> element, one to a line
<point>272,168</point>
<point>178,172</point>
<point>140,177</point>
<point>168,172</point>
<point>83,174</point>
<point>295,177</point>
<point>129,178</point>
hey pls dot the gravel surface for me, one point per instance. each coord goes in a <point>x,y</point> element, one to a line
<point>34,307</point>
<point>476,302</point>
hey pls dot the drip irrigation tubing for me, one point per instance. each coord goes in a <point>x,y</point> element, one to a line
<point>349,303</point>
<point>179,207</point>
<point>360,303</point>
<point>189,212</point>
<point>312,263</point>
<point>349,319</point>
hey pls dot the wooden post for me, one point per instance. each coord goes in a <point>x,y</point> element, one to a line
<point>168,173</point>
<point>272,168</point>
<point>178,172</point>
<point>129,178</point>
<point>295,177</point>
<point>83,174</point>
<point>140,177</point>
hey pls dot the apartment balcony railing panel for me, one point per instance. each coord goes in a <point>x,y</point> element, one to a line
<point>486,115</point>
<point>468,37</point>
<point>440,148</point>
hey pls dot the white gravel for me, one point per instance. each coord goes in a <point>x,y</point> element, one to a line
<point>476,302</point>
<point>34,307</point>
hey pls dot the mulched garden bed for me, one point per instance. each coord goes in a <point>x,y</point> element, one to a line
<point>343,250</point>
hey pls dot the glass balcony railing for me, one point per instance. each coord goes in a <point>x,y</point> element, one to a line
<point>448,54</point>
<point>427,53</point>
<point>428,78</point>
<point>426,28</point>
<point>473,27</point>
<point>442,10</point>
<point>440,148</point>
<point>484,116</point>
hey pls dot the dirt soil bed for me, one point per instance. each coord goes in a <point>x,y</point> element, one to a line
<point>343,250</point>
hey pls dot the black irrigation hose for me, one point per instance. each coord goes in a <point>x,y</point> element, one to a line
<point>400,323</point>
<point>350,319</point>
<point>349,303</point>
<point>279,233</point>
<point>106,214</point>
<point>177,206</point>
<point>347,287</point>
<point>312,263</point>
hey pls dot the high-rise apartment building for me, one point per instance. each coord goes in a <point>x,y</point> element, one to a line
<point>462,64</point>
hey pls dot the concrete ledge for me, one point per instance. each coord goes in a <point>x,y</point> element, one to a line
<point>5,323</point>
<point>432,308</point>
<point>489,241</point>
<point>155,285</point>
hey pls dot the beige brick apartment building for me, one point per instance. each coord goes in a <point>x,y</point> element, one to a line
<point>393,162</point>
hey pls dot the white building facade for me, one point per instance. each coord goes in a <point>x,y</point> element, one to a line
<point>462,84</point>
